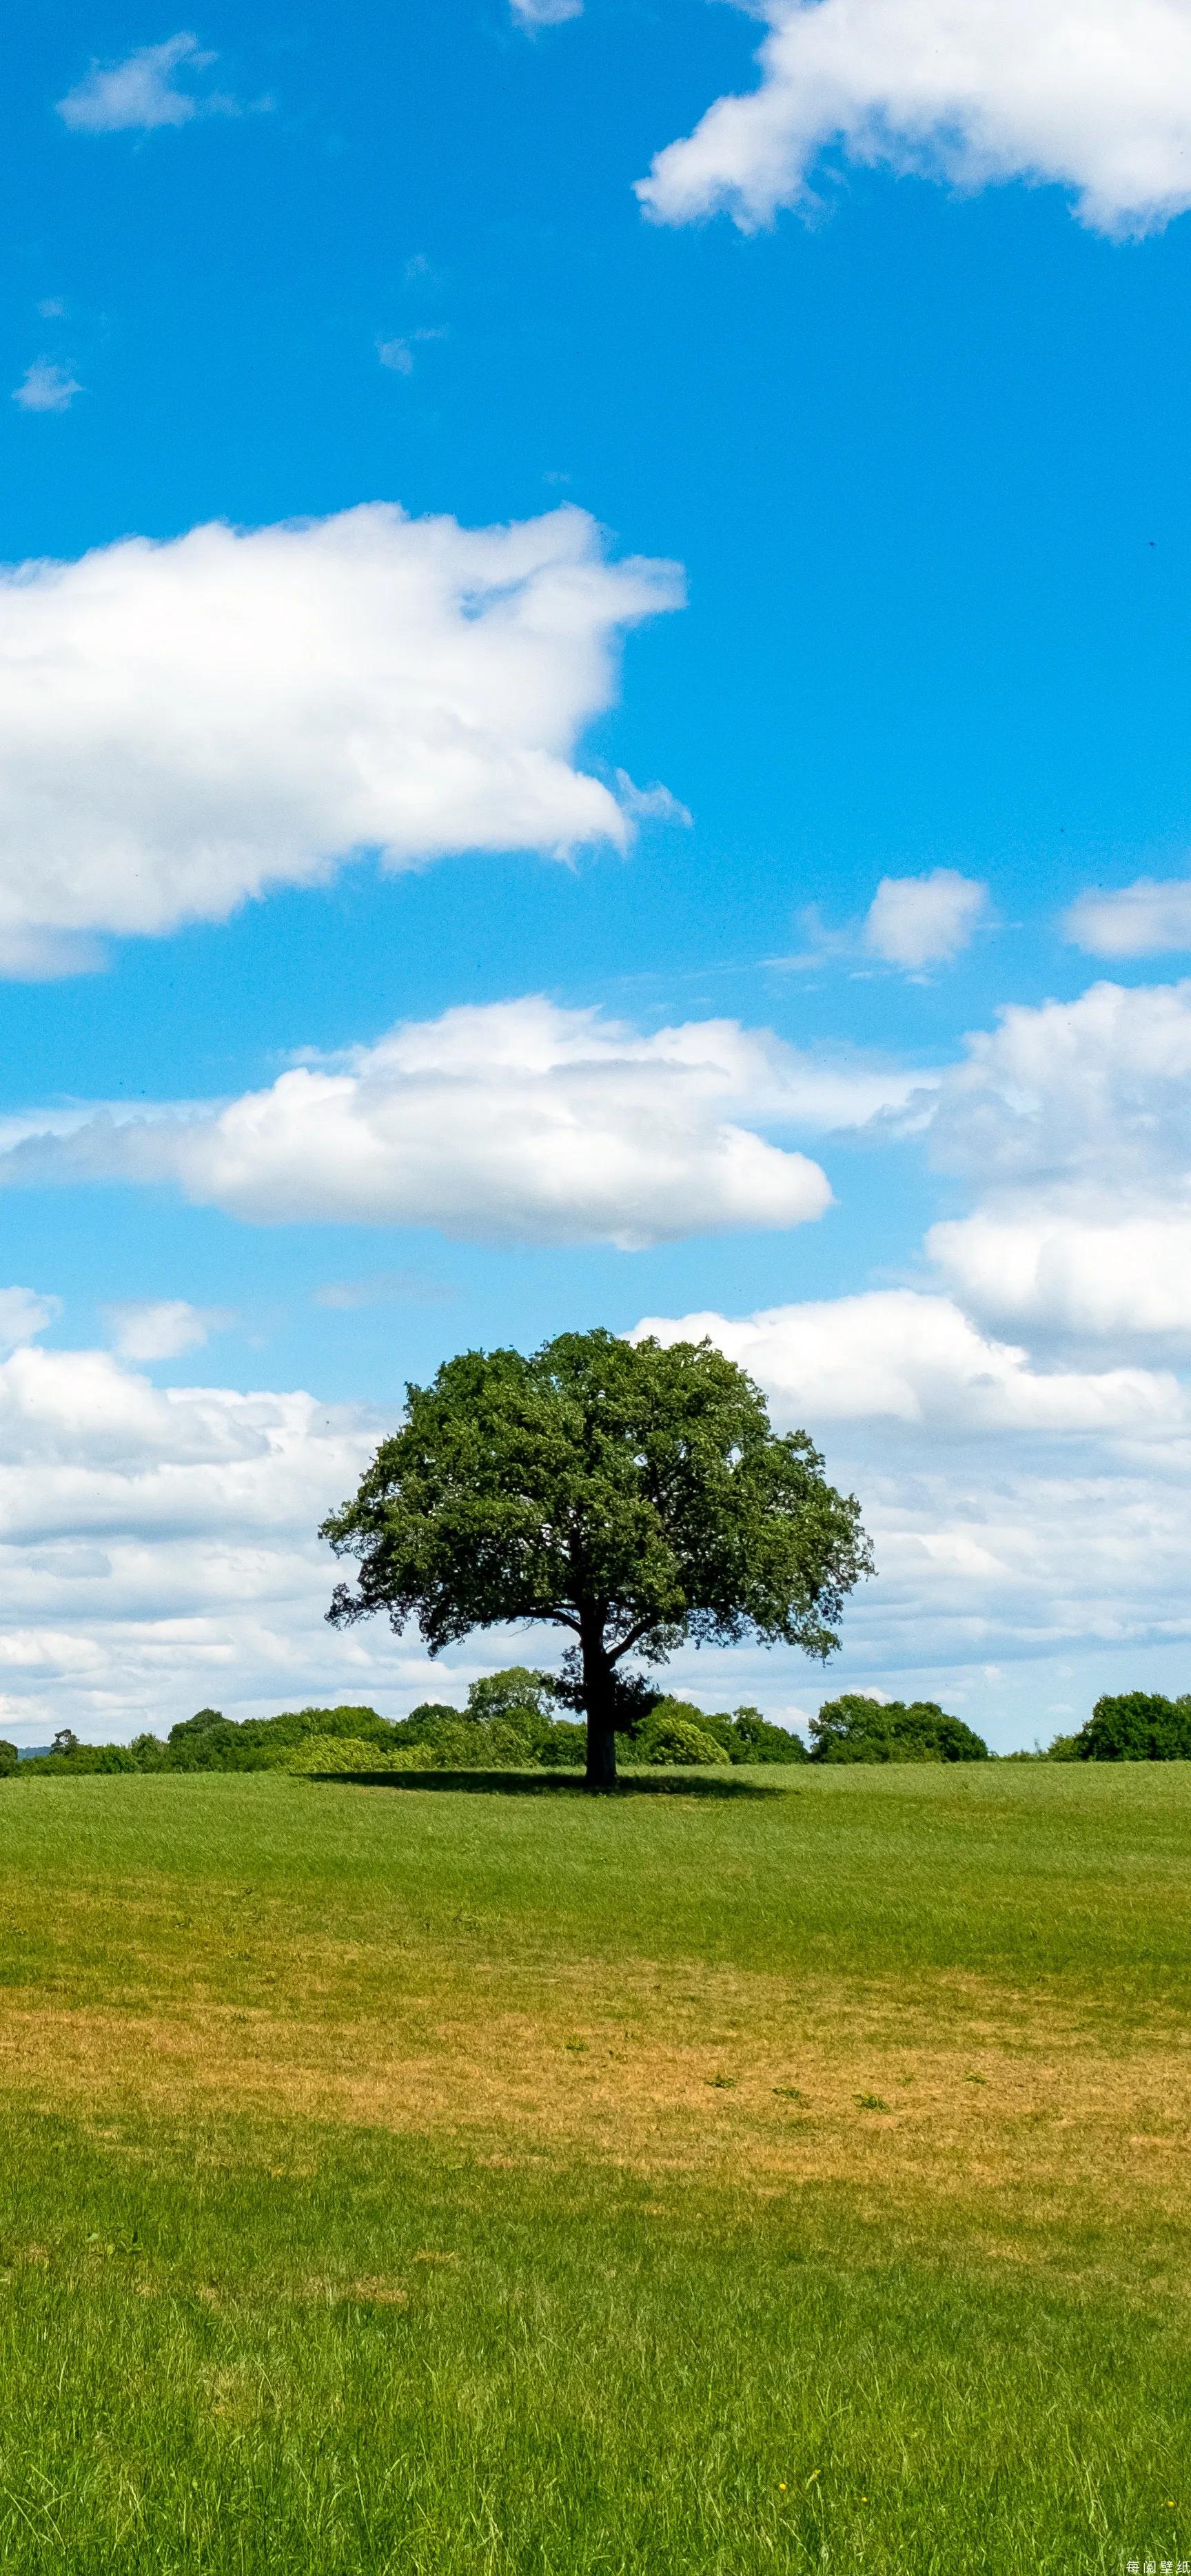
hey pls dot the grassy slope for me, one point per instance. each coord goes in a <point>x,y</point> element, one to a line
<point>447,2184</point>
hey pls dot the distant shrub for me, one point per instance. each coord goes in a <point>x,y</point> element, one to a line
<point>81,1759</point>
<point>9,1759</point>
<point>326,1753</point>
<point>674,1733</point>
<point>748,1737</point>
<point>1062,1748</point>
<point>564,1745</point>
<point>854,1729</point>
<point>1136,1726</point>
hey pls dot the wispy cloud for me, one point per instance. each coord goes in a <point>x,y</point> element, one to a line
<point>649,804</point>
<point>1139,920</point>
<point>545,13</point>
<point>398,355</point>
<point>46,386</point>
<point>385,1288</point>
<point>143,92</point>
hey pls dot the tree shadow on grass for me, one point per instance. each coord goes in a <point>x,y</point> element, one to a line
<point>555,1784</point>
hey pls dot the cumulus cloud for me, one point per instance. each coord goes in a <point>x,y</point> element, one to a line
<point>143,92</point>
<point>1074,1120</point>
<point>161,1328</point>
<point>1019,1514</point>
<point>45,386</point>
<point>1138,920</point>
<point>912,923</point>
<point>515,1122</point>
<point>900,1355</point>
<point>1084,1271</point>
<point>1091,95</point>
<point>1096,1090</point>
<point>183,725</point>
<point>924,921</point>
<point>157,1549</point>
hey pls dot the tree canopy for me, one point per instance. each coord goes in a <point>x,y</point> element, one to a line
<point>632,1495</point>
<point>855,1729</point>
<point>1136,1726</point>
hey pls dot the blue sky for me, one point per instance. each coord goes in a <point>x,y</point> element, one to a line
<point>918,439</point>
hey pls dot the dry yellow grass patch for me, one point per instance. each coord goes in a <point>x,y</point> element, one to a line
<point>960,2091</point>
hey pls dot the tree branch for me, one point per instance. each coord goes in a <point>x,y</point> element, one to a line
<point>633,1638</point>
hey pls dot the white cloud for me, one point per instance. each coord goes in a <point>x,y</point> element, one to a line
<point>45,386</point>
<point>1091,95</point>
<point>397,356</point>
<point>161,1328</point>
<point>1074,1120</point>
<point>183,725</point>
<point>1017,1513</point>
<point>924,921</point>
<point>142,93</point>
<point>899,1355</point>
<point>545,13</point>
<point>1095,1091</point>
<point>1133,921</point>
<point>1083,1271</point>
<point>23,1315</point>
<point>515,1122</point>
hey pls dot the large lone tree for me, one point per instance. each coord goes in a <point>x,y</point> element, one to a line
<point>632,1494</point>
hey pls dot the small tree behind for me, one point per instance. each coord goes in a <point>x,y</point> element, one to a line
<point>854,1729</point>
<point>631,1495</point>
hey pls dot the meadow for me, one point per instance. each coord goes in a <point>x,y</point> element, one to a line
<point>780,2173</point>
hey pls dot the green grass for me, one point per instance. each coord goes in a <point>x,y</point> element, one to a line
<point>486,2185</point>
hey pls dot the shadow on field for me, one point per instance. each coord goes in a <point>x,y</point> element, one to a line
<point>552,1784</point>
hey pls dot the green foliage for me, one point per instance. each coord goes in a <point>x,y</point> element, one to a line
<point>1137,1726</point>
<point>751,1738</point>
<point>1063,1748</point>
<point>746,1737</point>
<point>9,1758</point>
<point>633,1495</point>
<point>854,1729</point>
<point>318,1755</point>
<point>211,1742</point>
<point>673,1734</point>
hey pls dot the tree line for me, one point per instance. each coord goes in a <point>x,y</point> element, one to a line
<point>512,1721</point>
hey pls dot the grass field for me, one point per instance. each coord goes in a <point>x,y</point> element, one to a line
<point>466,2184</point>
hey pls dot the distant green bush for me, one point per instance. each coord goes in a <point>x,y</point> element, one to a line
<point>749,1737</point>
<point>674,1734</point>
<point>1135,1726</point>
<point>854,1729</point>
<point>325,1753</point>
<point>9,1759</point>
<point>745,1736</point>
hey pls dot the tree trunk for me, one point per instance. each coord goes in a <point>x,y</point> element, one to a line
<point>599,1707</point>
